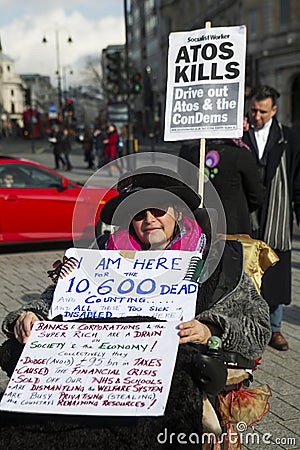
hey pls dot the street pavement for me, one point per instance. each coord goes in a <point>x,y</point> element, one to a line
<point>24,276</point>
<point>40,151</point>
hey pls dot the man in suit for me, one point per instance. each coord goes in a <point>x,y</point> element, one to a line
<point>278,158</point>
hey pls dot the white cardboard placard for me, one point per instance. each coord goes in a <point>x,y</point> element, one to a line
<point>110,369</point>
<point>109,283</point>
<point>205,87</point>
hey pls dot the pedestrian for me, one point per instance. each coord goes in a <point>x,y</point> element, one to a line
<point>122,146</point>
<point>99,145</point>
<point>87,145</point>
<point>228,306</point>
<point>233,173</point>
<point>56,140</point>
<point>277,155</point>
<point>111,142</point>
<point>67,148</point>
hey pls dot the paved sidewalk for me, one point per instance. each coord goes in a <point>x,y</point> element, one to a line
<point>40,151</point>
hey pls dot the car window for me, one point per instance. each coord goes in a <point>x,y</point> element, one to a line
<point>9,176</point>
<point>28,176</point>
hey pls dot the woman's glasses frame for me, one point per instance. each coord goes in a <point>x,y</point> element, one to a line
<point>156,212</point>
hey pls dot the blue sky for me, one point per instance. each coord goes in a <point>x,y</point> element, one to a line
<point>92,24</point>
<point>12,9</point>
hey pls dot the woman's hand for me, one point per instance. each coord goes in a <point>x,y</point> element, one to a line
<point>23,326</point>
<point>194,331</point>
<point>246,125</point>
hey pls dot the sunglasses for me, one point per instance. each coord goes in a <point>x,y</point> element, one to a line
<point>156,212</point>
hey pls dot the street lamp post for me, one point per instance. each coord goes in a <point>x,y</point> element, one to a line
<point>130,148</point>
<point>66,70</point>
<point>58,67</point>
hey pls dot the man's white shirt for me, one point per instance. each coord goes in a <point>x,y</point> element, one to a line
<point>261,137</point>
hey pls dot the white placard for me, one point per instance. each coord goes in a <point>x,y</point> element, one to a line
<point>205,87</point>
<point>109,369</point>
<point>110,283</point>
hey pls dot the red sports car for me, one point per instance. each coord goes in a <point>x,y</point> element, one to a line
<point>37,204</point>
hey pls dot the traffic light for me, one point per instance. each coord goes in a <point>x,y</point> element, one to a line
<point>28,96</point>
<point>70,106</point>
<point>136,83</point>
<point>113,71</point>
<point>69,111</point>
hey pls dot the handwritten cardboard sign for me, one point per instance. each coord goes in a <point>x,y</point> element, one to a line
<point>205,88</point>
<point>106,284</point>
<point>111,369</point>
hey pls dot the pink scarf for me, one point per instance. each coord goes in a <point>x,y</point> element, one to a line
<point>122,240</point>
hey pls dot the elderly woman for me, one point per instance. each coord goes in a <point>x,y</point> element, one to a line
<point>155,211</point>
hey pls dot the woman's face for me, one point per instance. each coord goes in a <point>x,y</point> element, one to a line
<point>155,227</point>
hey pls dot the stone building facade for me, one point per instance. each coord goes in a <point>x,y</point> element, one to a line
<point>11,96</point>
<point>42,92</point>
<point>273,43</point>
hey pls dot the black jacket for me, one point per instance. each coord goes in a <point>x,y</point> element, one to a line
<point>234,175</point>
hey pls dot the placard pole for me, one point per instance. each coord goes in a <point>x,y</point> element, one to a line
<point>202,156</point>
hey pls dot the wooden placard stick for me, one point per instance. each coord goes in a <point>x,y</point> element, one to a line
<point>202,155</point>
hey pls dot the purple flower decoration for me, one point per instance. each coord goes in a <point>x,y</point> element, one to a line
<point>212,159</point>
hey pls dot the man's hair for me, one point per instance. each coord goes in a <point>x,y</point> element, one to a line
<point>263,92</point>
<point>6,172</point>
